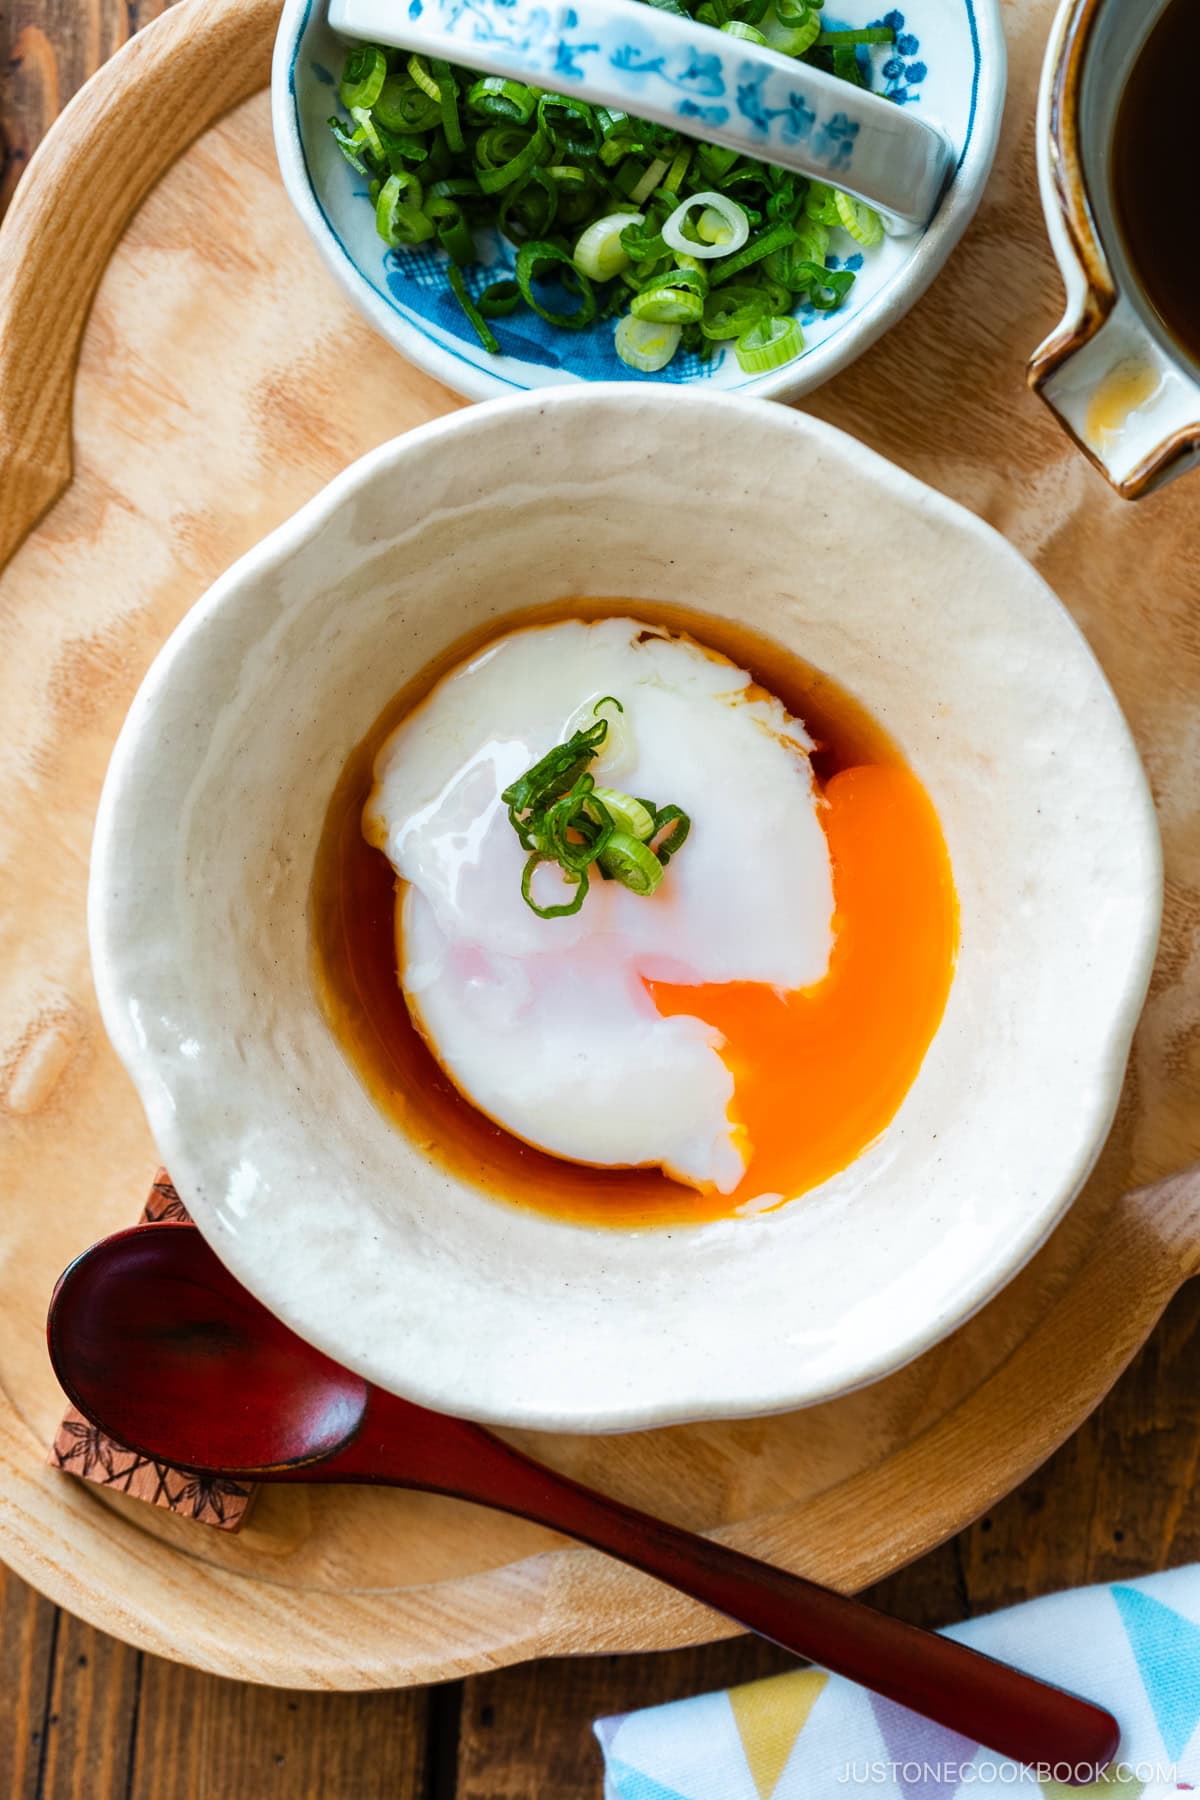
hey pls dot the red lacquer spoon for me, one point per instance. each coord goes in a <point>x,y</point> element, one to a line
<point>156,1343</point>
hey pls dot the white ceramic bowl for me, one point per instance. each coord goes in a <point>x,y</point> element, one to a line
<point>950,62</point>
<point>216,794</point>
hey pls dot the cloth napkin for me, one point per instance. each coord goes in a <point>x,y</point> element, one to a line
<point>1134,1647</point>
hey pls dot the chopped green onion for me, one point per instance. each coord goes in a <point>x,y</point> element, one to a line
<point>538,259</point>
<point>737,226</point>
<point>821,204</point>
<point>371,139</point>
<point>646,184</point>
<point>628,861</point>
<point>363,76</point>
<point>792,38</point>
<point>518,151</point>
<point>479,324</point>
<point>671,827</point>
<point>731,311</point>
<point>643,345</point>
<point>499,299</point>
<point>493,97</point>
<point>749,34</point>
<point>424,80</point>
<point>674,299</point>
<point>759,247</point>
<point>861,221</point>
<point>873,34</point>
<point>350,143</point>
<point>448,91</point>
<point>769,344</point>
<point>560,816</point>
<point>599,252</point>
<point>398,216</point>
<point>403,106</point>
<point>627,814</point>
<point>580,881</point>
<point>677,171</point>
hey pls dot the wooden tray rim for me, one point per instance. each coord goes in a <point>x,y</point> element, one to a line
<point>194,64</point>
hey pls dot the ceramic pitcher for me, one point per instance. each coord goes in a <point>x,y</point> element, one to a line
<point>1125,390</point>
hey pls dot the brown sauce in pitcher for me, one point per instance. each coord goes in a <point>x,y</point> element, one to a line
<point>1154,159</point>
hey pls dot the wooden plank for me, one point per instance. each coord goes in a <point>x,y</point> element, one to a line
<point>91,1717</point>
<point>28,1626</point>
<point>1119,1498</point>
<point>199,1736</point>
<point>48,48</point>
<point>526,1733</point>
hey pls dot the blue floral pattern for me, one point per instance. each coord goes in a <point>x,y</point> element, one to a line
<point>902,72</point>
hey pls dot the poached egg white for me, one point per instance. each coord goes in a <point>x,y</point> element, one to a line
<point>547,1025</point>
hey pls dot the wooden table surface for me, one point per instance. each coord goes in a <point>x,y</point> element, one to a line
<point>85,1716</point>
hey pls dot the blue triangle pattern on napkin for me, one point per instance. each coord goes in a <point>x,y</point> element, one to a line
<point>632,1784</point>
<point>1166,1648</point>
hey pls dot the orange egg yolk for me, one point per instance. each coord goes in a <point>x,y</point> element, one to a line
<point>819,1073</point>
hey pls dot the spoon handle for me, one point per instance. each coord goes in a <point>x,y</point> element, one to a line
<point>994,1705</point>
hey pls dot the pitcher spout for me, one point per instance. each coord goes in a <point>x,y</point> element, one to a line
<point>1129,406</point>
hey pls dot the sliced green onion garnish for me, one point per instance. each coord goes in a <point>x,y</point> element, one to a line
<point>560,816</point>
<point>734,216</point>
<point>769,344</point>
<point>350,143</point>
<point>749,34</point>
<point>538,259</point>
<point>872,34</point>
<point>580,883</point>
<point>731,311</point>
<point>645,346</point>
<point>758,247</point>
<point>678,169</point>
<point>861,221</point>
<point>493,97</point>
<point>821,204</point>
<point>448,91</point>
<point>599,252</point>
<point>516,151</point>
<point>398,216</point>
<point>363,76</point>
<point>627,814</point>
<point>499,299</point>
<point>791,39</point>
<point>371,140</point>
<point>424,80</point>
<point>403,106</point>
<point>671,827</point>
<point>673,299</point>
<point>646,183</point>
<point>479,324</point>
<point>630,862</point>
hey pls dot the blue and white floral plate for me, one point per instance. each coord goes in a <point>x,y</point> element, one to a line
<point>949,59</point>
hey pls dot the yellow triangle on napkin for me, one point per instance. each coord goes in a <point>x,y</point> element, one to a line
<point>770,1716</point>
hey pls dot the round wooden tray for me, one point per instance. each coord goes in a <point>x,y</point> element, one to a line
<point>221,380</point>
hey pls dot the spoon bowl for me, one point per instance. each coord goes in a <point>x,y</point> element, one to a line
<point>149,1328</point>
